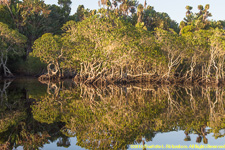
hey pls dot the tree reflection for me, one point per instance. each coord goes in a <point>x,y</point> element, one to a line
<point>112,117</point>
<point>115,116</point>
<point>17,126</point>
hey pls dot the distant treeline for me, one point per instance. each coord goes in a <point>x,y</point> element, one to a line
<point>123,41</point>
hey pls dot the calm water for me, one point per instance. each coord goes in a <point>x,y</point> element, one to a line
<point>65,115</point>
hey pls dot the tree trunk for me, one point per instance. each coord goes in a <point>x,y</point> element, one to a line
<point>6,71</point>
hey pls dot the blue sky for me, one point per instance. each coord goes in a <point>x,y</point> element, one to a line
<point>175,8</point>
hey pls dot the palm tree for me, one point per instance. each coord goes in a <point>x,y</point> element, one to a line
<point>140,10</point>
<point>206,13</point>
<point>189,8</point>
<point>189,15</point>
<point>200,8</point>
<point>127,6</point>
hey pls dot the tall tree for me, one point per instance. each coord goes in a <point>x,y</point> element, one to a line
<point>79,15</point>
<point>153,19</point>
<point>28,17</point>
<point>33,13</point>
<point>6,17</point>
<point>65,5</point>
<point>55,20</point>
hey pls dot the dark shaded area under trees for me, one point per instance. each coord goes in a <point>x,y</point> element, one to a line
<point>123,41</point>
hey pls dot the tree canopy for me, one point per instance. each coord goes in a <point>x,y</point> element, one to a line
<point>123,41</point>
<point>10,42</point>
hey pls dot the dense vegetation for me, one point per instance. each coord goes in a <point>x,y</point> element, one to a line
<point>123,41</point>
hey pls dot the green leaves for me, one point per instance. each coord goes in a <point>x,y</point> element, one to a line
<point>189,7</point>
<point>11,36</point>
<point>217,41</point>
<point>110,41</point>
<point>65,5</point>
<point>141,25</point>
<point>47,47</point>
<point>34,8</point>
<point>140,8</point>
<point>200,7</point>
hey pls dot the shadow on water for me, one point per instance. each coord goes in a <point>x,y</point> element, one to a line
<point>33,114</point>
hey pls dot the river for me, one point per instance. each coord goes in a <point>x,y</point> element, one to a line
<point>68,115</point>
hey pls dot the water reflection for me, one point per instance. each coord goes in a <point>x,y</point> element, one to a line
<point>113,117</point>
